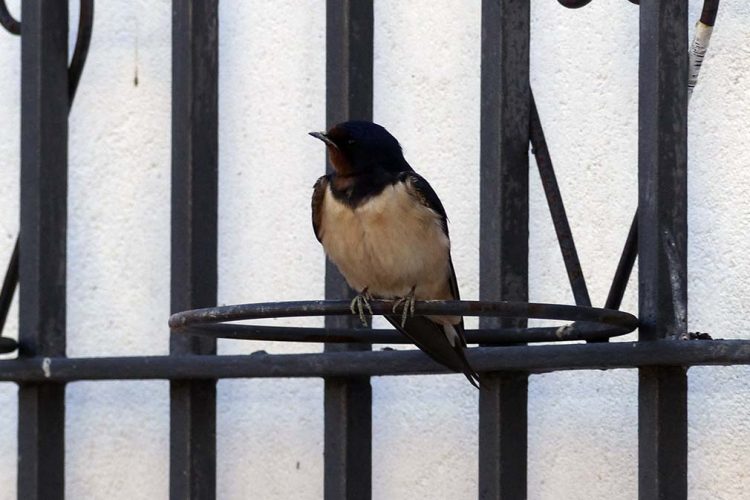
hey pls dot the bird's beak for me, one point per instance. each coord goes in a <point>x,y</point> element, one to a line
<point>323,137</point>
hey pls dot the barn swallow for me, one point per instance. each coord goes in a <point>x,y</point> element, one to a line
<point>386,230</point>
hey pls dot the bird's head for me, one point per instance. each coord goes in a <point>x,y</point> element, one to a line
<point>358,147</point>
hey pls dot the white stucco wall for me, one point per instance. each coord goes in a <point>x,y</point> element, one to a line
<point>582,425</point>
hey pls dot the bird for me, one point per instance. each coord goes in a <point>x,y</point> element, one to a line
<point>386,230</point>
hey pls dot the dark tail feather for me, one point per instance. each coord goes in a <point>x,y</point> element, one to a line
<point>430,338</point>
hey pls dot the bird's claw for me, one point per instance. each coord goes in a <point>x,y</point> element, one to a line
<point>407,302</point>
<point>359,303</point>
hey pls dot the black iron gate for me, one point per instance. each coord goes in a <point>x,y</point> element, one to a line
<point>509,122</point>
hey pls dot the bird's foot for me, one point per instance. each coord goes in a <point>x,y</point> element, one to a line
<point>407,303</point>
<point>359,303</point>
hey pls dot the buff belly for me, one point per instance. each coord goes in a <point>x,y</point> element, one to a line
<point>388,244</point>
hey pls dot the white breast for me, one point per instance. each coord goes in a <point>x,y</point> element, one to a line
<point>388,244</point>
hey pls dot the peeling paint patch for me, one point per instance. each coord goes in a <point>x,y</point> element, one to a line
<point>675,270</point>
<point>563,331</point>
<point>46,364</point>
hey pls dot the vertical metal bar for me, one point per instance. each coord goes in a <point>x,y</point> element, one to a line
<point>348,401</point>
<point>662,433</point>
<point>194,237</point>
<point>44,187</point>
<point>662,242</point>
<point>504,219</point>
<point>503,429</point>
<point>630,250</point>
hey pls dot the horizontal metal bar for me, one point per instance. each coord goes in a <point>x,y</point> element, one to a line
<point>534,359</point>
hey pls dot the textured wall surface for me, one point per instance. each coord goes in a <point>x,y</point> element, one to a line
<point>582,425</point>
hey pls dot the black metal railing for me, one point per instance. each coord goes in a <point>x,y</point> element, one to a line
<point>509,124</point>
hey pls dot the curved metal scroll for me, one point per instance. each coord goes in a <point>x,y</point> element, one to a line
<point>589,323</point>
<point>7,21</point>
